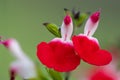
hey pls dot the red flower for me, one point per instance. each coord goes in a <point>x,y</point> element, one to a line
<point>101,74</point>
<point>88,47</point>
<point>109,72</point>
<point>59,53</point>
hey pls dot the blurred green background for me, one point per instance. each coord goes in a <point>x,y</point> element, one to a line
<point>22,19</point>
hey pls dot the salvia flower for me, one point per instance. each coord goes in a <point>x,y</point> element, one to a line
<point>88,47</point>
<point>22,66</point>
<point>108,72</point>
<point>59,53</point>
<point>102,74</point>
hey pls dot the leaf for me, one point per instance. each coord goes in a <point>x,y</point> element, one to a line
<point>41,76</point>
<point>42,73</point>
<point>55,75</point>
<point>53,29</point>
<point>79,21</point>
<point>67,75</point>
<point>67,11</point>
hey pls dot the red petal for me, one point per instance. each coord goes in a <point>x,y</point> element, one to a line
<point>83,45</point>
<point>57,55</point>
<point>90,52</point>
<point>102,57</point>
<point>44,53</point>
<point>101,74</point>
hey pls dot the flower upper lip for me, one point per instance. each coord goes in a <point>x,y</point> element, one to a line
<point>92,24</point>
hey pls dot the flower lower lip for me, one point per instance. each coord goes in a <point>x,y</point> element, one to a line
<point>89,50</point>
<point>64,58</point>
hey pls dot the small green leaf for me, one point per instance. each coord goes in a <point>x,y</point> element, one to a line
<point>53,29</point>
<point>41,73</point>
<point>55,75</point>
<point>67,75</point>
<point>41,76</point>
<point>79,21</point>
<point>67,11</point>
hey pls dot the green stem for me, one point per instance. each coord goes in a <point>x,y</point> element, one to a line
<point>67,75</point>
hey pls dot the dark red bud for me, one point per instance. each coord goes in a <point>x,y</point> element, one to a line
<point>95,16</point>
<point>6,43</point>
<point>67,20</point>
<point>12,74</point>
